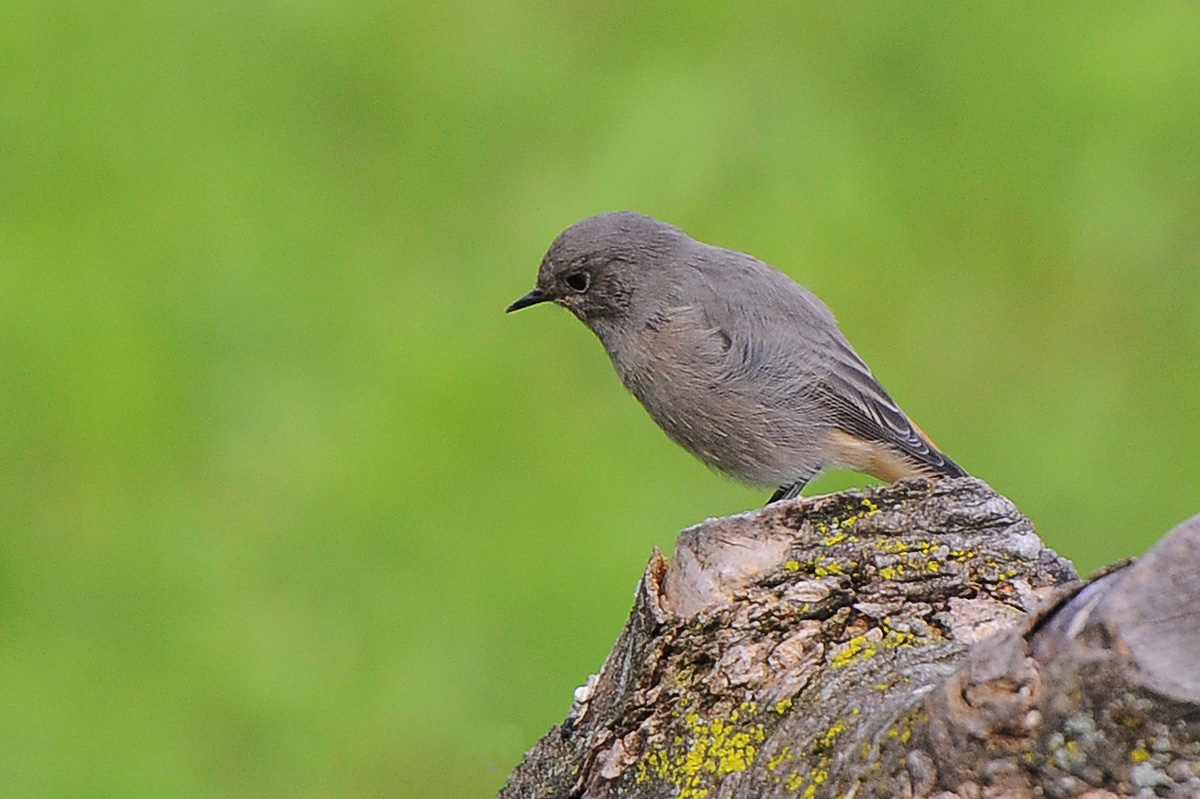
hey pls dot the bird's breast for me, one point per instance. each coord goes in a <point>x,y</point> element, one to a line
<point>695,382</point>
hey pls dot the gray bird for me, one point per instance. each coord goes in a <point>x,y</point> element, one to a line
<point>737,363</point>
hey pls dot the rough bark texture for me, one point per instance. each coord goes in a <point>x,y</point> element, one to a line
<point>914,640</point>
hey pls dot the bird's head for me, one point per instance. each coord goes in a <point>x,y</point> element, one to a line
<point>595,267</point>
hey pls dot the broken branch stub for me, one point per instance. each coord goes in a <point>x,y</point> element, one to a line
<point>867,643</point>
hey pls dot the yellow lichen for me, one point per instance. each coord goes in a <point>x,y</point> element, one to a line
<point>861,648</point>
<point>784,755</point>
<point>827,567</point>
<point>858,647</point>
<point>835,532</point>
<point>706,751</point>
<point>822,753</point>
<point>1139,755</point>
<point>919,556</point>
<point>902,729</point>
<point>832,539</point>
<point>825,742</point>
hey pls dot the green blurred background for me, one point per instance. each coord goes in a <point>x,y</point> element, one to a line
<point>291,508</point>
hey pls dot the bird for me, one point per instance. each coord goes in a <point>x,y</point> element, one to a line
<point>737,362</point>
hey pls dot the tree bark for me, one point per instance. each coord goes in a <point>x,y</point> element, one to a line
<point>913,640</point>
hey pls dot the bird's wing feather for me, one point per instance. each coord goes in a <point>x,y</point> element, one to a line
<point>863,407</point>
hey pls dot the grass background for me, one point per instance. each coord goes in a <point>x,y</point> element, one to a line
<point>289,506</point>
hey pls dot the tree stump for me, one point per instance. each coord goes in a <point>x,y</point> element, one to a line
<point>912,640</point>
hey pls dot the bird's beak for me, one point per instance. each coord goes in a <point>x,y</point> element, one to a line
<point>532,298</point>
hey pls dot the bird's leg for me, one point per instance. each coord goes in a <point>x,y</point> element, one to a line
<point>789,491</point>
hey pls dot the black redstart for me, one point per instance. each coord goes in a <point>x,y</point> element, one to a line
<point>737,362</point>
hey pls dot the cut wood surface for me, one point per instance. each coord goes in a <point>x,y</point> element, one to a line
<point>912,640</point>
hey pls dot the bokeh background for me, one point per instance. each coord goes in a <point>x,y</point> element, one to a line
<point>290,508</point>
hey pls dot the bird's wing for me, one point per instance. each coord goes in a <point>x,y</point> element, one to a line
<point>862,407</point>
<point>772,318</point>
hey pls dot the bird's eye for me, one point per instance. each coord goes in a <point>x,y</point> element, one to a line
<point>578,281</point>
